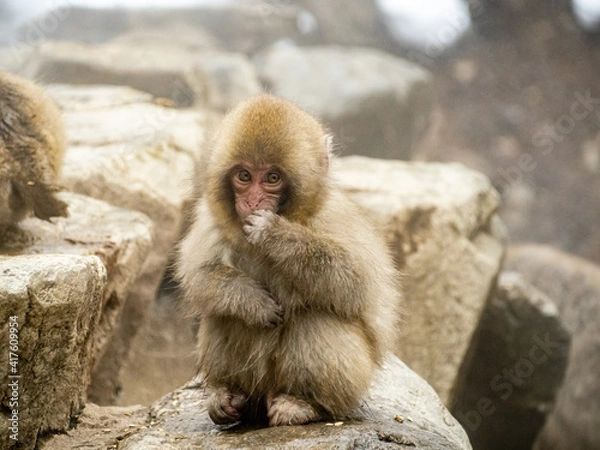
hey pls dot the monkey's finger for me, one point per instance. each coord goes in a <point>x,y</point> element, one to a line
<point>238,401</point>
<point>277,318</point>
<point>223,414</point>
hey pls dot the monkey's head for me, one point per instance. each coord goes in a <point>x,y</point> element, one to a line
<point>268,155</point>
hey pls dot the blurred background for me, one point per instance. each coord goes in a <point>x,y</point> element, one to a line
<point>510,88</point>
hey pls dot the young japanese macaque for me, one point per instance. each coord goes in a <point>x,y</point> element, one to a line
<point>296,292</point>
<point>31,151</point>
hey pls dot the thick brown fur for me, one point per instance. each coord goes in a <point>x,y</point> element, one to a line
<point>32,143</point>
<point>296,308</point>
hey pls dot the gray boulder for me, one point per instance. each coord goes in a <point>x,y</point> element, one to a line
<point>241,27</point>
<point>574,286</point>
<point>376,104</point>
<point>519,357</point>
<point>207,78</point>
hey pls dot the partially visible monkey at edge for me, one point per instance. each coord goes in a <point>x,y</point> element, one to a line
<point>296,291</point>
<point>32,142</point>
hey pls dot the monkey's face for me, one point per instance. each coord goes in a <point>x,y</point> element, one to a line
<point>257,188</point>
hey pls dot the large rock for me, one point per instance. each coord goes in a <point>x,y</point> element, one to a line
<point>132,153</point>
<point>574,286</point>
<point>519,359</point>
<point>212,79</point>
<point>67,283</point>
<point>375,103</point>
<point>241,27</point>
<point>448,240</point>
<point>402,409</point>
<point>51,304</point>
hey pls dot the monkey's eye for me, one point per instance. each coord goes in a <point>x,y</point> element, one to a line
<point>244,175</point>
<point>273,178</point>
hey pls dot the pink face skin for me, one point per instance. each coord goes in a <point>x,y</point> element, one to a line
<point>256,189</point>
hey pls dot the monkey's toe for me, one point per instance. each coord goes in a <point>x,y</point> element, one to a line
<point>287,410</point>
<point>225,408</point>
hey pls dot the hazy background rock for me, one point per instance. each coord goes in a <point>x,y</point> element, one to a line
<point>447,239</point>
<point>64,336</point>
<point>182,35</point>
<point>180,420</point>
<point>242,27</point>
<point>519,357</point>
<point>207,78</point>
<point>574,286</point>
<point>357,22</point>
<point>376,104</point>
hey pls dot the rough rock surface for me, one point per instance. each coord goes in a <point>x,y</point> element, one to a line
<point>67,282</point>
<point>447,239</point>
<point>519,359</point>
<point>574,286</point>
<point>208,78</point>
<point>180,420</point>
<point>375,103</point>
<point>99,427</point>
<point>55,301</point>
<point>132,153</point>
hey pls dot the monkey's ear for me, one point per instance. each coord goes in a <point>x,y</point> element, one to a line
<point>329,144</point>
<point>329,150</point>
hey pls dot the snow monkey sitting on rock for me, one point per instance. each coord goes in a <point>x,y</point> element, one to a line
<point>296,292</point>
<point>31,152</point>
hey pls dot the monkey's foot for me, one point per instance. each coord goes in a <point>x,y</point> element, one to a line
<point>288,410</point>
<point>224,407</point>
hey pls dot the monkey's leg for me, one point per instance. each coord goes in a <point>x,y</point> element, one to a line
<point>323,368</point>
<point>224,406</point>
<point>288,410</point>
<point>234,360</point>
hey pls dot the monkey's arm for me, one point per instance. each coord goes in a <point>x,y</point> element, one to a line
<point>219,290</point>
<point>317,267</point>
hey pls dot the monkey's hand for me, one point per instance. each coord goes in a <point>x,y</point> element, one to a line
<point>257,226</point>
<point>269,312</point>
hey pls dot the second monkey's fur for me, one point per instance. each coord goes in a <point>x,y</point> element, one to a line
<point>299,304</point>
<point>31,152</point>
